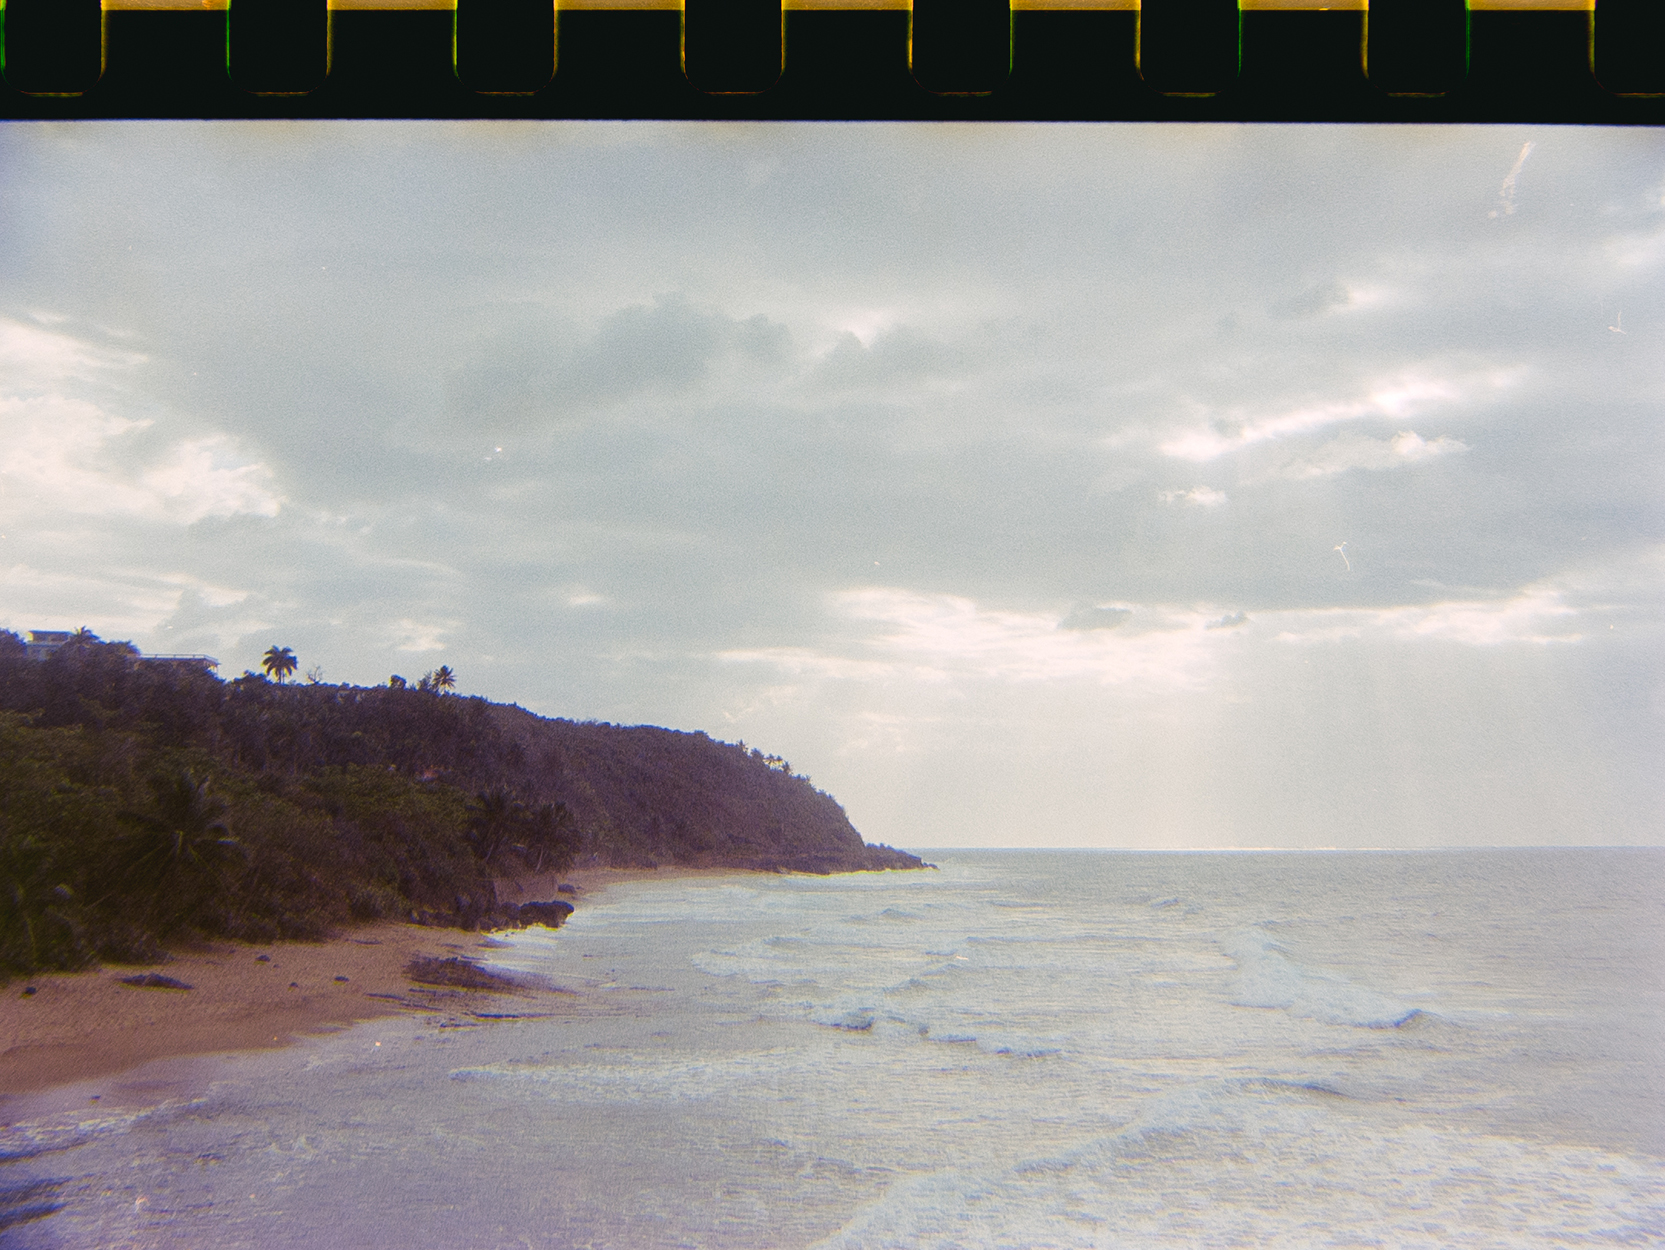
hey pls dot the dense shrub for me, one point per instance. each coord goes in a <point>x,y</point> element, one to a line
<point>144,800</point>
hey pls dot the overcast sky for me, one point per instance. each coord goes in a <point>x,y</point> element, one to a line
<point>1022,485</point>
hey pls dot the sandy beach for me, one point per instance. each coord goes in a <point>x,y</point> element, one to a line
<point>83,1025</point>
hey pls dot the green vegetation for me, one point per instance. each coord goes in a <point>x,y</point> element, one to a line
<point>143,801</point>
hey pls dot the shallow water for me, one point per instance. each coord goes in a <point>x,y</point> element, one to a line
<point>1022,1049</point>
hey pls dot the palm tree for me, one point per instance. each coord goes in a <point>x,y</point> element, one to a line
<point>178,853</point>
<point>492,816</point>
<point>279,662</point>
<point>552,835</point>
<point>443,679</point>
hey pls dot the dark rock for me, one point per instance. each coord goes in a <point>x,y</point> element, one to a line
<point>343,980</point>
<point>878,856</point>
<point>427,970</point>
<point>566,889</point>
<point>262,959</point>
<point>468,912</point>
<point>154,981</point>
<point>28,991</point>
<point>552,913</point>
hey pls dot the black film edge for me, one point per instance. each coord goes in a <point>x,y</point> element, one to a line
<point>1177,60</point>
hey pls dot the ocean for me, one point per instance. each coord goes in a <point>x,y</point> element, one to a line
<point>1020,1049</point>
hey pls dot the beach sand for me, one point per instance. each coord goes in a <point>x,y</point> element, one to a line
<point>84,1025</point>
<point>81,1025</point>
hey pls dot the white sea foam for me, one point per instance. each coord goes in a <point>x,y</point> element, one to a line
<point>1268,1163</point>
<point>1268,977</point>
<point>636,1077</point>
<point>1132,1051</point>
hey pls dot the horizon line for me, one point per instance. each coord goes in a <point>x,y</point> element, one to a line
<point>1251,850</point>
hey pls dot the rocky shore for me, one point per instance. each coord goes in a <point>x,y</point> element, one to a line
<point>205,998</point>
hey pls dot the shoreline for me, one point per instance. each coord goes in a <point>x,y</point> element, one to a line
<point>88,1026</point>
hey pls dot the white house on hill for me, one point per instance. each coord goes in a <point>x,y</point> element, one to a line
<point>43,642</point>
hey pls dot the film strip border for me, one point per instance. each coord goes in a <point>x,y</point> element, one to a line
<point>1599,61</point>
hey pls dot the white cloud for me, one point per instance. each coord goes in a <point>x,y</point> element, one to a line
<point>1363,297</point>
<point>411,635</point>
<point>50,442</point>
<point>168,612</point>
<point>1196,497</point>
<point>807,663</point>
<point>113,602</point>
<point>1360,451</point>
<point>876,732</point>
<point>903,637</point>
<point>1392,398</point>
<point>67,452</point>
<point>1333,298</point>
<point>33,359</point>
<point>865,324</point>
<point>207,592</point>
<point>937,638</point>
<point>1536,614</point>
<point>1637,250</point>
<point>203,477</point>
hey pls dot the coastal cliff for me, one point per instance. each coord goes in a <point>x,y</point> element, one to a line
<point>646,797</point>
<point>146,801</point>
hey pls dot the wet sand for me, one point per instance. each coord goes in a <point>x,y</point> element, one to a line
<point>84,1025</point>
<point>80,1025</point>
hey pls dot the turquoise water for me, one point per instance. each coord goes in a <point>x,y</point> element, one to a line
<point>1021,1049</point>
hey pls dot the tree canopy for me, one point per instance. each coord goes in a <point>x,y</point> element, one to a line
<point>141,800</point>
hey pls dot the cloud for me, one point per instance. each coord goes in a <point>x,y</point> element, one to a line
<point>940,638</point>
<point>875,732</point>
<point>1394,398</point>
<point>1536,614</point>
<point>1096,618</point>
<point>33,358</point>
<point>668,344</point>
<point>205,477</point>
<point>207,618</point>
<point>1314,301</point>
<point>896,356</point>
<point>166,611</point>
<point>895,638</point>
<point>1360,451</point>
<point>1196,497</point>
<point>67,452</point>
<point>1637,249</point>
<point>411,635</point>
<point>70,456</point>
<point>704,469</point>
<point>537,373</point>
<point>205,593</point>
<point>119,602</point>
<point>49,442</point>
